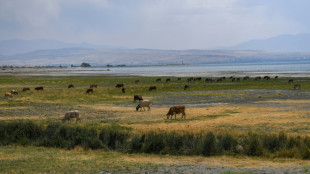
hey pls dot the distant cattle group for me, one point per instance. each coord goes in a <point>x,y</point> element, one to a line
<point>173,111</point>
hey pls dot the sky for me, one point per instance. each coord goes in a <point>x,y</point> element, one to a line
<point>154,24</point>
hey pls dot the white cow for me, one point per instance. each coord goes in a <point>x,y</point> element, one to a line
<point>143,104</point>
<point>72,114</point>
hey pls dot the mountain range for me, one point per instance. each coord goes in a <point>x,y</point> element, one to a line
<point>282,43</point>
<point>50,52</point>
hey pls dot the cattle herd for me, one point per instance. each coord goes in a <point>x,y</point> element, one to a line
<point>146,103</point>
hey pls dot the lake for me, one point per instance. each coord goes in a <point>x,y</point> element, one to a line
<point>300,69</point>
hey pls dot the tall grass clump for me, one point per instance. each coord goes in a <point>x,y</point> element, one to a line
<point>19,132</point>
<point>117,138</point>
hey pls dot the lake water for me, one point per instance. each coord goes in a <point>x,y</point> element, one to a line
<point>301,69</point>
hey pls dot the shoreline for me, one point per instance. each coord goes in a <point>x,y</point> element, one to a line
<point>109,72</point>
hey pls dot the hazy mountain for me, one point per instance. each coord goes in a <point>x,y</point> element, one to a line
<point>76,56</point>
<point>282,43</point>
<point>17,46</point>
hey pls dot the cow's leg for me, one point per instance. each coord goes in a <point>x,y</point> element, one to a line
<point>149,108</point>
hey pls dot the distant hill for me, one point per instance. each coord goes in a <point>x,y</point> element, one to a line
<point>17,46</point>
<point>98,57</point>
<point>282,43</point>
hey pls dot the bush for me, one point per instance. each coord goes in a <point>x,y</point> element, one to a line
<point>20,132</point>
<point>209,144</point>
<point>115,137</point>
<point>253,146</point>
<point>226,143</point>
<point>153,143</point>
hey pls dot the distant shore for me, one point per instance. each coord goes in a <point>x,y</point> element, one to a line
<point>112,71</point>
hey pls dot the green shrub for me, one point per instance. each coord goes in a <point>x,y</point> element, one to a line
<point>153,143</point>
<point>209,144</point>
<point>253,146</point>
<point>226,143</point>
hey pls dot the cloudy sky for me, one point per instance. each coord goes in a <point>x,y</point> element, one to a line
<point>157,24</point>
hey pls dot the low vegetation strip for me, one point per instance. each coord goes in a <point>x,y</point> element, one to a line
<point>115,137</point>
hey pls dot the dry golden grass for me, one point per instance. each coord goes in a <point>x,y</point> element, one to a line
<point>237,118</point>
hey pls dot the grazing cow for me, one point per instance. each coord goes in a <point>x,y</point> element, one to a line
<point>179,78</point>
<point>158,80</point>
<point>72,114</point>
<point>266,77</point>
<point>89,90</point>
<point>137,81</point>
<point>15,92</point>
<point>219,80</point>
<point>186,87</point>
<point>297,86</point>
<point>39,88</point>
<point>137,97</point>
<point>93,86</point>
<point>123,90</point>
<point>120,85</point>
<point>257,78</point>
<point>8,94</point>
<point>168,80</point>
<point>233,79</point>
<point>209,80</point>
<point>152,88</point>
<point>276,77</point>
<point>70,86</point>
<point>197,79</point>
<point>246,78</point>
<point>143,104</point>
<point>190,79</point>
<point>290,80</point>
<point>26,89</point>
<point>176,110</point>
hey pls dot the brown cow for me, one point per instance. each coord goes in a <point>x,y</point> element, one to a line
<point>257,78</point>
<point>89,90</point>
<point>120,85</point>
<point>93,86</point>
<point>39,88</point>
<point>158,80</point>
<point>290,80</point>
<point>168,80</point>
<point>137,97</point>
<point>179,78</point>
<point>70,86</point>
<point>152,88</point>
<point>297,86</point>
<point>246,78</point>
<point>190,79</point>
<point>8,94</point>
<point>209,80</point>
<point>197,79</point>
<point>174,110</point>
<point>137,81</point>
<point>26,89</point>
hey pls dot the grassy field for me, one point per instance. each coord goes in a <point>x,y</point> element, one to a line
<point>261,106</point>
<point>28,159</point>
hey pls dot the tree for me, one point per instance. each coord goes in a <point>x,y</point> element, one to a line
<point>84,64</point>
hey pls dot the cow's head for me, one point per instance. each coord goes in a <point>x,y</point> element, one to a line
<point>137,108</point>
